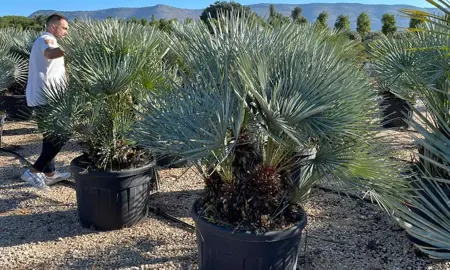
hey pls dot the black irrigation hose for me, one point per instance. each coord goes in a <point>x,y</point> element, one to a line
<point>158,211</point>
<point>356,197</point>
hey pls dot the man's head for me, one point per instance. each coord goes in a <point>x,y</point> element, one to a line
<point>57,25</point>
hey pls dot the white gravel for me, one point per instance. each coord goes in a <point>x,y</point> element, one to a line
<point>40,230</point>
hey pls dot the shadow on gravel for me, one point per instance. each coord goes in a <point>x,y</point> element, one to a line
<point>176,203</point>
<point>43,227</point>
<point>346,233</point>
<point>142,251</point>
<point>9,204</point>
<point>11,173</point>
<point>20,131</point>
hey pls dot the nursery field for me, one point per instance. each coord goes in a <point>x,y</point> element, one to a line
<point>40,230</point>
<point>280,119</point>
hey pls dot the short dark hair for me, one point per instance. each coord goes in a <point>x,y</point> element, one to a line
<point>55,17</point>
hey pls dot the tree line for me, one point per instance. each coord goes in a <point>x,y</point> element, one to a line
<point>275,19</point>
<point>36,23</point>
<point>342,23</point>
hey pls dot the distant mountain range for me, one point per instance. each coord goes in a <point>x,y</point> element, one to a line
<point>310,11</point>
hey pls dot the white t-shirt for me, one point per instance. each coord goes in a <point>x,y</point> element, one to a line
<point>43,71</point>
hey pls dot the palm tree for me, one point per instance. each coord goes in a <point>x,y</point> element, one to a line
<point>263,124</point>
<point>419,63</point>
<point>15,49</point>
<point>111,66</point>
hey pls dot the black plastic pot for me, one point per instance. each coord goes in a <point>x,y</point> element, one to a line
<point>112,200</point>
<point>219,248</point>
<point>394,111</point>
<point>16,107</point>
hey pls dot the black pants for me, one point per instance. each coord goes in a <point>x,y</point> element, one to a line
<point>51,145</point>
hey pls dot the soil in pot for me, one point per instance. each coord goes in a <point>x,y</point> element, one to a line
<point>220,247</point>
<point>109,200</point>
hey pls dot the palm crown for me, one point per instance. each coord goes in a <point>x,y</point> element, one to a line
<point>264,114</point>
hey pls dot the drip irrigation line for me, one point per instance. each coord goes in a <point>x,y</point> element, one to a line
<point>411,162</point>
<point>158,211</point>
<point>343,194</point>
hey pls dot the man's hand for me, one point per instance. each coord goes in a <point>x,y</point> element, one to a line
<point>50,41</point>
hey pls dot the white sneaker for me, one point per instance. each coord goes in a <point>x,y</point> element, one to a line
<point>35,179</point>
<point>58,177</point>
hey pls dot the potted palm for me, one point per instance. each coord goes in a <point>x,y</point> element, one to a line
<point>397,92</point>
<point>262,125</point>
<point>112,65</point>
<point>425,211</point>
<point>15,48</point>
<point>421,62</point>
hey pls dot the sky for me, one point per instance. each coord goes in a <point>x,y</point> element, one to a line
<point>26,7</point>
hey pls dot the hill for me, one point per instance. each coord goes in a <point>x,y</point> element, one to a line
<point>310,11</point>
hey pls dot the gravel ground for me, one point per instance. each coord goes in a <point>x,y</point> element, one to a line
<point>40,230</point>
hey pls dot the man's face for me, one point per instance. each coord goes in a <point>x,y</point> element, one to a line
<point>60,29</point>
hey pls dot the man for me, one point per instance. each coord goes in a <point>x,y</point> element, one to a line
<point>46,67</point>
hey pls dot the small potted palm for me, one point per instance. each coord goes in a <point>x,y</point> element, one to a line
<point>15,48</point>
<point>112,65</point>
<point>397,91</point>
<point>262,125</point>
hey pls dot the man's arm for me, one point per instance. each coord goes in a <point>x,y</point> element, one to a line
<point>53,53</point>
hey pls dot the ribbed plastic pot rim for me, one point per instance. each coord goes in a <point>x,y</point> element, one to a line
<point>271,236</point>
<point>126,172</point>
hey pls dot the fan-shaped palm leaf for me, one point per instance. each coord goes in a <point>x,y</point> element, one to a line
<point>13,69</point>
<point>426,211</point>
<point>15,48</point>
